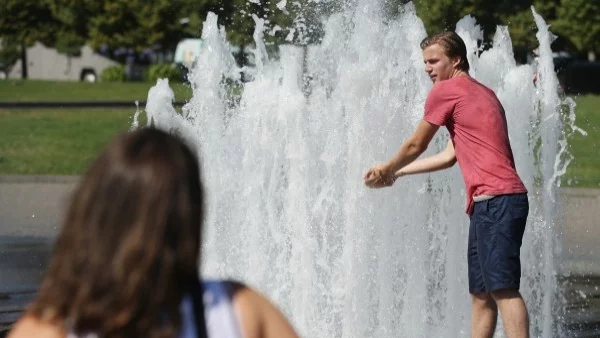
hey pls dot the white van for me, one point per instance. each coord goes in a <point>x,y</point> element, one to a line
<point>44,63</point>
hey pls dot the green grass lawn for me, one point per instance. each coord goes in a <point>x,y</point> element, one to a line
<point>62,141</point>
<point>34,91</point>
<point>56,141</point>
<point>584,170</point>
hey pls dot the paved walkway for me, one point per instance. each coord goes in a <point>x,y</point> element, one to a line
<point>32,206</point>
<point>30,213</point>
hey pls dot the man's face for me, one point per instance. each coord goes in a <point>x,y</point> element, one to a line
<point>437,64</point>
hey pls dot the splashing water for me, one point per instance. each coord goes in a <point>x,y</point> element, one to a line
<point>288,211</point>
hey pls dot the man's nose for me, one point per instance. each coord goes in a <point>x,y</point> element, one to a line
<point>428,69</point>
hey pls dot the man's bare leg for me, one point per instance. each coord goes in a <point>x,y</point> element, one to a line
<point>514,313</point>
<point>483,315</point>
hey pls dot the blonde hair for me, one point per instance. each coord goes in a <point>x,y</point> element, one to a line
<point>453,46</point>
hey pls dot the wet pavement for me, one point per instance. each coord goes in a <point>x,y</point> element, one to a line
<point>22,263</point>
<point>30,212</point>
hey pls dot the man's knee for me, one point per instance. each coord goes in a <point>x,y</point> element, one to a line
<point>504,294</point>
<point>483,300</point>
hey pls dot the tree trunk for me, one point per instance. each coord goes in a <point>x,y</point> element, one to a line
<point>24,74</point>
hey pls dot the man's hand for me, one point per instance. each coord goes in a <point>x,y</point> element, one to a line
<point>379,176</point>
<point>382,175</point>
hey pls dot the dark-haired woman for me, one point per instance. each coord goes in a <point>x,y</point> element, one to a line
<point>125,263</point>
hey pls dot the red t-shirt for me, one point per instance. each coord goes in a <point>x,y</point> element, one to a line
<point>477,125</point>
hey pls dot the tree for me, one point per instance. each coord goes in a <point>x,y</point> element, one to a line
<point>135,25</point>
<point>130,24</point>
<point>74,16</point>
<point>579,21</point>
<point>439,15</point>
<point>522,28</point>
<point>25,22</point>
<point>286,21</point>
<point>9,54</point>
<point>237,18</point>
<point>310,16</point>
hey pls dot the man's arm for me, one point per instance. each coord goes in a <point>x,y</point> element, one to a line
<point>382,175</point>
<point>439,161</point>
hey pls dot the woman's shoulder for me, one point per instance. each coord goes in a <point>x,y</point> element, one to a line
<point>258,316</point>
<point>31,326</point>
<point>243,296</point>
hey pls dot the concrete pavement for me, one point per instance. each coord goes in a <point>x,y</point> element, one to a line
<point>32,206</point>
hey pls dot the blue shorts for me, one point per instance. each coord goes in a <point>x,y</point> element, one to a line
<point>495,236</point>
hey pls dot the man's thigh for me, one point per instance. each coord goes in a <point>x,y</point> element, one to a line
<point>500,227</point>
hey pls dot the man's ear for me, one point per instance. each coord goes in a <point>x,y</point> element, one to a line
<point>456,61</point>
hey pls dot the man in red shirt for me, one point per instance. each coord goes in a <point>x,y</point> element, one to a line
<point>496,197</point>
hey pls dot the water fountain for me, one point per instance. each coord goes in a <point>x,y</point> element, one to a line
<point>288,212</point>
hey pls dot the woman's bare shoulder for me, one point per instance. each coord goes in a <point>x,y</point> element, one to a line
<point>31,326</point>
<point>260,317</point>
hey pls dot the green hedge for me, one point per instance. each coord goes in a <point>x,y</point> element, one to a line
<point>113,74</point>
<point>163,71</point>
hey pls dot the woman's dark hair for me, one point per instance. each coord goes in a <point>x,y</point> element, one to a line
<point>130,243</point>
<point>453,46</point>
